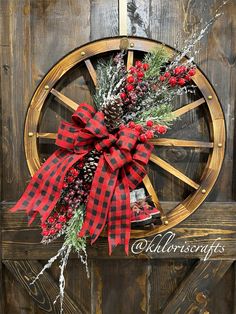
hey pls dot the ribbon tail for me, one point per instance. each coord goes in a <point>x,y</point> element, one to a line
<point>99,200</point>
<point>119,216</point>
<point>44,189</point>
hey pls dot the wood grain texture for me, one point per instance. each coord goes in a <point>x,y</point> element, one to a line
<point>104,19</point>
<point>92,71</point>
<point>35,35</point>
<point>192,293</point>
<point>182,143</point>
<point>121,292</point>
<point>44,291</point>
<point>164,279</point>
<point>69,103</point>
<point>202,228</point>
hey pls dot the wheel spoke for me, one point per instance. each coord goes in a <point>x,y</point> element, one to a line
<point>175,172</point>
<point>92,71</point>
<point>186,108</point>
<point>69,103</point>
<point>130,59</point>
<point>47,135</point>
<point>149,187</point>
<point>180,143</point>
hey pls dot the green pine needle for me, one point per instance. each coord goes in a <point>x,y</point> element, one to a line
<point>156,59</point>
<point>74,226</point>
<point>161,115</point>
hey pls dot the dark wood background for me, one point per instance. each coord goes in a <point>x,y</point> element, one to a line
<point>34,35</point>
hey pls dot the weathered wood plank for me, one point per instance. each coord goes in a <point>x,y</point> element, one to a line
<point>15,64</point>
<point>210,222</point>
<point>222,296</point>
<point>43,292</point>
<point>164,279</point>
<point>192,293</point>
<point>120,286</point>
<point>105,14</point>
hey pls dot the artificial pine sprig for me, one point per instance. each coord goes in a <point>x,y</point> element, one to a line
<point>159,115</point>
<point>73,227</point>
<point>156,60</point>
<point>111,76</point>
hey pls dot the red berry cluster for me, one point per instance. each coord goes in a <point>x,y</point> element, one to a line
<point>74,192</point>
<point>56,221</point>
<point>178,76</point>
<point>148,132</point>
<point>135,87</point>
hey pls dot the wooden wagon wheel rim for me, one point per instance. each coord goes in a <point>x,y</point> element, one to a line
<point>217,126</point>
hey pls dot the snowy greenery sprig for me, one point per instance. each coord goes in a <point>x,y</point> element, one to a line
<point>142,94</point>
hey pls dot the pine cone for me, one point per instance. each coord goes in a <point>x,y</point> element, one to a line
<point>113,113</point>
<point>90,165</point>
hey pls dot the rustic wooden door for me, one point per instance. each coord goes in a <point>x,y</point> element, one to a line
<point>36,34</point>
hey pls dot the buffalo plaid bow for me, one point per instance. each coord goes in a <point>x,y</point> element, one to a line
<point>120,168</point>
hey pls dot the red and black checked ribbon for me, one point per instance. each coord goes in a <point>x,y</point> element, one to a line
<point>120,168</point>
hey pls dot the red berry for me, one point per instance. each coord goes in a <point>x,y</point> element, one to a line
<point>52,231</point>
<point>45,233</point>
<point>43,225</point>
<point>177,71</point>
<point>122,95</point>
<point>167,74</point>
<point>183,68</point>
<point>72,170</point>
<point>58,226</point>
<point>51,220</point>
<point>138,64</point>
<point>132,124</point>
<point>129,88</point>
<point>181,81</point>
<point>122,126</point>
<point>130,79</point>
<point>76,173</point>
<point>187,77</point>
<point>192,72</point>
<point>161,129</point>
<point>132,70</point>
<point>62,219</point>
<point>149,134</point>
<point>162,78</point>
<point>145,66</point>
<point>70,179</point>
<point>63,209</point>
<point>138,127</point>
<point>69,215</point>
<point>65,185</point>
<point>81,164</point>
<point>143,138</point>
<point>140,74</point>
<point>172,81</point>
<point>149,123</point>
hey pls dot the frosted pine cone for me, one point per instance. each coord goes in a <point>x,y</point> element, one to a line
<point>90,165</point>
<point>113,112</point>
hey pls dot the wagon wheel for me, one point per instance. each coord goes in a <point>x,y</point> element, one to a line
<point>208,99</point>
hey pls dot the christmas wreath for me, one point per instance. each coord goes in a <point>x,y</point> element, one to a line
<point>90,182</point>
